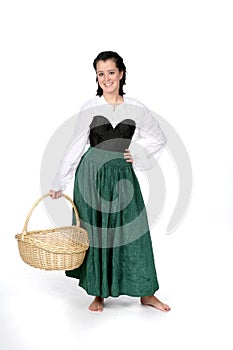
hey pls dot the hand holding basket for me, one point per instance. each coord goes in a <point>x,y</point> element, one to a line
<point>61,248</point>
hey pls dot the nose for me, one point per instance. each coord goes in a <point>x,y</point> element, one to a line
<point>106,78</point>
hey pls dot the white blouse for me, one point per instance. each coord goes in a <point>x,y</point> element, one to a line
<point>146,146</point>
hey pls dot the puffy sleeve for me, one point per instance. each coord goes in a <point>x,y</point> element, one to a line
<point>152,141</point>
<point>73,153</point>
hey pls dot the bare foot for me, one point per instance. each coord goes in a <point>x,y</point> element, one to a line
<point>97,304</point>
<point>155,302</point>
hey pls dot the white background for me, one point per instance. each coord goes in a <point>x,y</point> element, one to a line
<point>179,58</point>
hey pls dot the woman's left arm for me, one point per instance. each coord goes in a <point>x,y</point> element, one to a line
<point>153,141</point>
<point>128,156</point>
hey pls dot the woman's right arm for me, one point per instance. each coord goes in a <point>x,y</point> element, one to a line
<point>69,164</point>
<point>55,195</point>
<point>72,157</point>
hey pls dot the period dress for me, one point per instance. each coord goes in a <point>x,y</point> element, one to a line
<point>107,194</point>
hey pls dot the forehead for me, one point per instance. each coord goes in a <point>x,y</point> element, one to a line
<point>106,65</point>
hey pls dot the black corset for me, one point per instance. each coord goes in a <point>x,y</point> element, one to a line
<point>104,136</point>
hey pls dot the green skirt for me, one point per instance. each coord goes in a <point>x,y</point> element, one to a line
<point>111,208</point>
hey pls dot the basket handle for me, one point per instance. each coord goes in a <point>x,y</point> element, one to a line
<point>38,201</point>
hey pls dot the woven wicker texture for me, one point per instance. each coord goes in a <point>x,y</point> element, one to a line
<point>62,248</point>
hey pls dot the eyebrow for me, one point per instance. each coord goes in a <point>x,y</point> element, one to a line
<point>109,70</point>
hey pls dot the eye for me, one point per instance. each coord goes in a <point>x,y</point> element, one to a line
<point>112,73</point>
<point>100,74</point>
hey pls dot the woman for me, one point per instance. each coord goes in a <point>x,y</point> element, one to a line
<point>107,194</point>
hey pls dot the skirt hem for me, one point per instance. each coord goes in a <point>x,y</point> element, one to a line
<point>135,295</point>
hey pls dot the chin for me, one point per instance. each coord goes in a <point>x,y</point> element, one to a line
<point>109,91</point>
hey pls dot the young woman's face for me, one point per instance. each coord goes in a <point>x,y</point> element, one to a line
<point>108,76</point>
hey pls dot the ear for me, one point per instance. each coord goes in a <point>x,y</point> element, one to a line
<point>121,74</point>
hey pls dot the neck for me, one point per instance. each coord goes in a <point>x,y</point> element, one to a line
<point>113,99</point>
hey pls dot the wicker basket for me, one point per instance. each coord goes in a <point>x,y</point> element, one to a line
<point>61,248</point>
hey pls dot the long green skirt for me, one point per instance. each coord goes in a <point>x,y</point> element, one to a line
<point>120,258</point>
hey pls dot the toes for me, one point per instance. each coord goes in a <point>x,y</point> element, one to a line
<point>96,306</point>
<point>166,307</point>
<point>156,303</point>
<point>93,307</point>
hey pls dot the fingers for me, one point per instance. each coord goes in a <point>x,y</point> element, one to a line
<point>127,156</point>
<point>55,195</point>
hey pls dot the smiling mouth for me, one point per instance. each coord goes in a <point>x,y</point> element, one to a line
<point>108,84</point>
